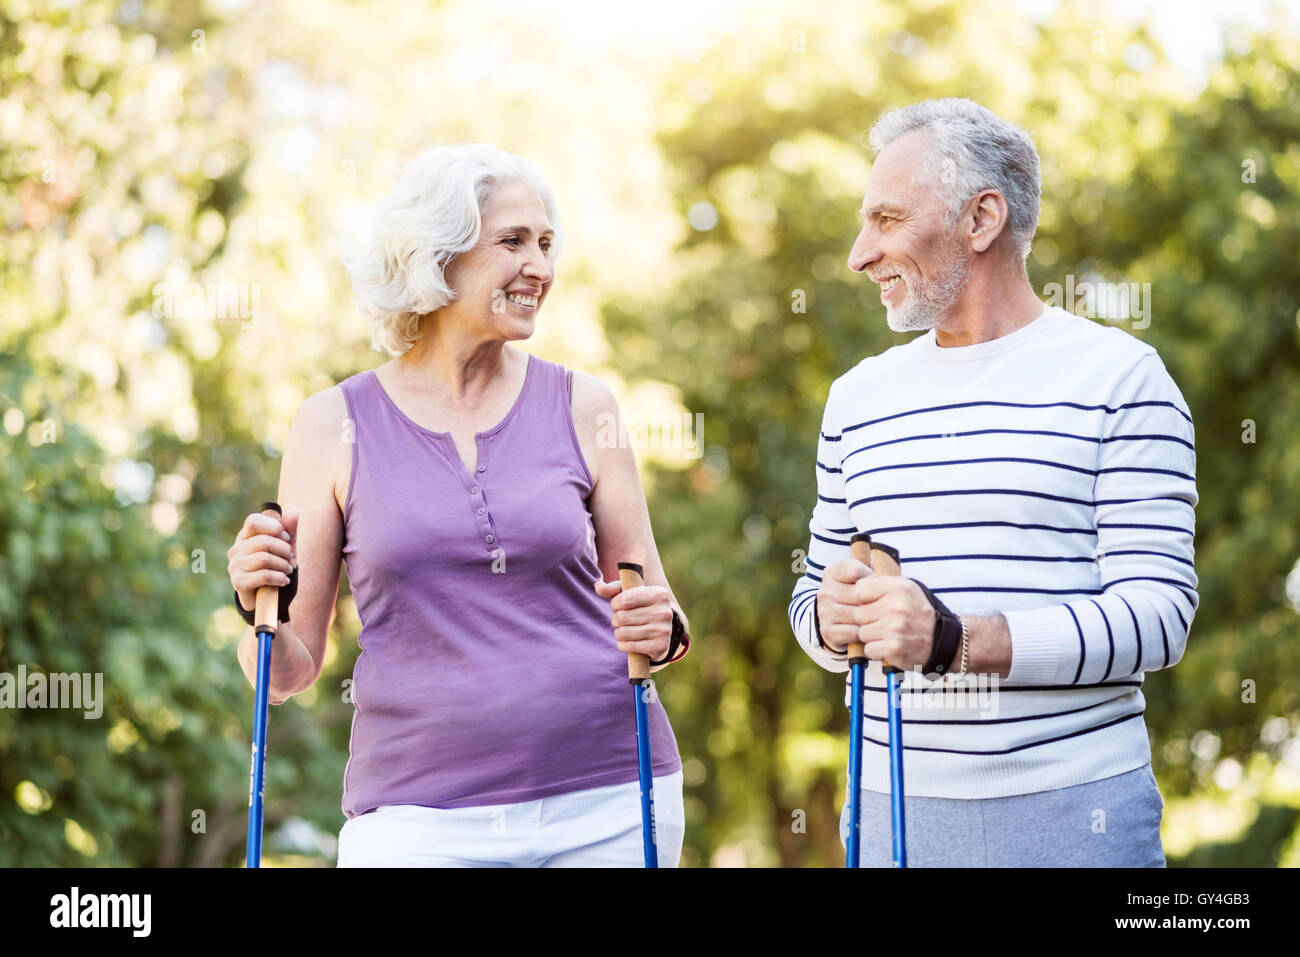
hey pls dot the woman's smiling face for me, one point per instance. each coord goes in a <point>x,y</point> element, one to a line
<point>502,281</point>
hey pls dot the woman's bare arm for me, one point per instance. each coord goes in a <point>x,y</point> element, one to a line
<point>318,445</point>
<point>617,502</point>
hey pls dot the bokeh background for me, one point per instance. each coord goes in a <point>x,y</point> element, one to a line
<point>180,181</point>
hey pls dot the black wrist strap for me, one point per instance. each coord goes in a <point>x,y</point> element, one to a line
<point>947,635</point>
<point>679,633</point>
<point>286,596</point>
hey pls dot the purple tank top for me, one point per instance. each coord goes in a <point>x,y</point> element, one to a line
<point>489,672</point>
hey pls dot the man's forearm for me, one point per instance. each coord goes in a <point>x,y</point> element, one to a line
<point>989,646</point>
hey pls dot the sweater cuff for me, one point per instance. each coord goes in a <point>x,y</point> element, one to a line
<point>1038,653</point>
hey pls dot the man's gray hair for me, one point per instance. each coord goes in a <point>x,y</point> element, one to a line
<point>974,149</point>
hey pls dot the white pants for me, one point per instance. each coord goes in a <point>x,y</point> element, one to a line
<point>598,827</point>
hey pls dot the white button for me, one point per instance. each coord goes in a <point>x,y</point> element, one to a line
<point>482,468</point>
<point>482,510</point>
<point>490,539</point>
<point>474,490</point>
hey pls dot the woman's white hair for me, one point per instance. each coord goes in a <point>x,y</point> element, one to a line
<point>974,149</point>
<point>433,213</point>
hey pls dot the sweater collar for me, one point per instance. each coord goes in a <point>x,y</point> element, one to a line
<point>931,351</point>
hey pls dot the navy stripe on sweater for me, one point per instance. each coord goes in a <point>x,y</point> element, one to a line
<point>1019,747</point>
<point>1018,405</point>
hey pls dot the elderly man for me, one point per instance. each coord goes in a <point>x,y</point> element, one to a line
<point>1036,471</point>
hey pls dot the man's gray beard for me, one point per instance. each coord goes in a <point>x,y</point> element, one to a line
<point>927,306</point>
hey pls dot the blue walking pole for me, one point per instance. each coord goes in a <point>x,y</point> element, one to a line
<point>883,560</point>
<point>266,614</point>
<point>857,666</point>
<point>896,767</point>
<point>638,675</point>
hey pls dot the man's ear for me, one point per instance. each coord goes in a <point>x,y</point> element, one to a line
<point>989,218</point>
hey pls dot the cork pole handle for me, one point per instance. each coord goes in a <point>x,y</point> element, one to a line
<point>860,550</point>
<point>629,576</point>
<point>882,560</point>
<point>266,608</point>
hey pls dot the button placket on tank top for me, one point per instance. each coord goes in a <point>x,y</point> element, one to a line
<point>475,481</point>
<point>482,514</point>
<point>486,526</point>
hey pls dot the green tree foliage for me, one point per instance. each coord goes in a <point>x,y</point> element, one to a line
<point>122,145</point>
<point>1209,218</point>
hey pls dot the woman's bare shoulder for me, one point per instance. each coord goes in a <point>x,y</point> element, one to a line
<point>595,418</point>
<point>323,425</point>
<point>324,409</point>
<point>591,396</point>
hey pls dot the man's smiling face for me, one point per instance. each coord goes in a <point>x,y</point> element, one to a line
<point>907,242</point>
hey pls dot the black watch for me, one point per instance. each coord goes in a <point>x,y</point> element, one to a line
<point>947,635</point>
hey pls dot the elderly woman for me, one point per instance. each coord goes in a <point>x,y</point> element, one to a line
<point>482,524</point>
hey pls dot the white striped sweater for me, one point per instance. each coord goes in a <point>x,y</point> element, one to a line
<point>1049,475</point>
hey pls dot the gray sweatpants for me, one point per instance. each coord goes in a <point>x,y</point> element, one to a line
<point>1114,822</point>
